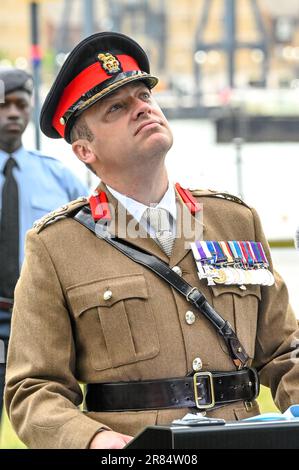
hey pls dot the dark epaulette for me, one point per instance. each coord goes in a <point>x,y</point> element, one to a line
<point>218,194</point>
<point>63,211</point>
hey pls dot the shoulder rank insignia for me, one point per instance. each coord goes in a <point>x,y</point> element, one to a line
<point>62,211</point>
<point>218,194</point>
<point>110,63</point>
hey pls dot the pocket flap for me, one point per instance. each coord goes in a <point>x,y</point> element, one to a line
<point>234,289</point>
<point>86,296</point>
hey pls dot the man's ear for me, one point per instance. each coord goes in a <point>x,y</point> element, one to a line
<point>84,151</point>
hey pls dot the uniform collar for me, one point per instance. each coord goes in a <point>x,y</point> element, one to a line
<point>136,209</point>
<point>180,249</point>
<point>19,156</point>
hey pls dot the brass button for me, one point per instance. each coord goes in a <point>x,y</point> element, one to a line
<point>189,317</point>
<point>197,364</point>
<point>62,121</point>
<point>177,270</point>
<point>107,295</point>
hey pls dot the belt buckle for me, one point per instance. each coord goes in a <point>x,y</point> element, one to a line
<point>208,376</point>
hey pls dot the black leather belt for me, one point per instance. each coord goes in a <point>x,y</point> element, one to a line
<point>202,390</point>
<point>6,304</point>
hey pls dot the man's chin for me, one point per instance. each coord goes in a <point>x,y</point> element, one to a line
<point>156,150</point>
<point>9,139</point>
<point>159,138</point>
<point>13,133</point>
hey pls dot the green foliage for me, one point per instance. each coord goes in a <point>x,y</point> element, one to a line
<point>49,62</point>
<point>8,438</point>
<point>265,401</point>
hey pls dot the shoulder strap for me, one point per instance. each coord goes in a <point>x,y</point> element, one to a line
<point>192,294</point>
<point>218,195</point>
<point>57,214</point>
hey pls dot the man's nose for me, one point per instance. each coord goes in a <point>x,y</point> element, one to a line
<point>141,107</point>
<point>13,112</point>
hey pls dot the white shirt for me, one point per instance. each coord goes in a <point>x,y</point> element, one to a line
<point>137,209</point>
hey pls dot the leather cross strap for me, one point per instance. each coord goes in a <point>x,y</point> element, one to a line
<point>192,294</point>
<point>204,390</point>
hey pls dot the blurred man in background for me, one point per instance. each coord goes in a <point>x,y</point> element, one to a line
<point>31,184</point>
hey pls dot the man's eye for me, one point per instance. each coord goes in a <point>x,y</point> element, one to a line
<point>114,107</point>
<point>146,95</point>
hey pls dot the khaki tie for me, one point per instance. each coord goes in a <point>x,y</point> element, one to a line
<point>159,221</point>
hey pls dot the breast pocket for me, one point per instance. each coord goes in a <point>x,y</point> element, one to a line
<point>114,323</point>
<point>240,308</point>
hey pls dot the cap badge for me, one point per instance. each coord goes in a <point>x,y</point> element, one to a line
<point>110,63</point>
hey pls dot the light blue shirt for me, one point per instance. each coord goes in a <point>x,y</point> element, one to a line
<point>44,184</point>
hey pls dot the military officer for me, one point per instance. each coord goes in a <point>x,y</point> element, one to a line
<point>87,310</point>
<point>31,184</point>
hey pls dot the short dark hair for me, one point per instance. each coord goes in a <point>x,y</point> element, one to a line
<point>80,130</point>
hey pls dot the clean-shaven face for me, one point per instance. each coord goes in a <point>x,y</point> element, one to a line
<point>129,128</point>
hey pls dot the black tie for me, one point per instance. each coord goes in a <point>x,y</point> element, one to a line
<point>9,232</point>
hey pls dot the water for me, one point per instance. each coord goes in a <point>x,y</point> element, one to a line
<point>270,173</point>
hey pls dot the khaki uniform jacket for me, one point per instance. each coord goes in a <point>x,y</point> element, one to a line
<point>65,332</point>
